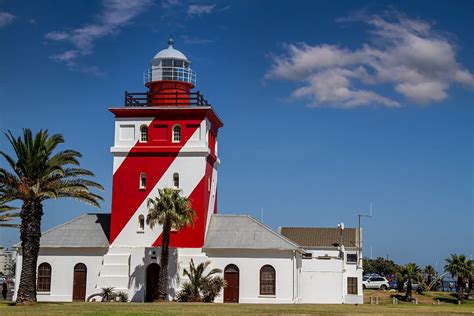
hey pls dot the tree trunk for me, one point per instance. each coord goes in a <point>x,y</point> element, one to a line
<point>460,289</point>
<point>164,258</point>
<point>408,295</point>
<point>30,234</point>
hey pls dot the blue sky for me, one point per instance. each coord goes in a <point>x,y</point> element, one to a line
<point>327,107</point>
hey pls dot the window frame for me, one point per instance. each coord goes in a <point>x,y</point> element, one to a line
<point>142,178</point>
<point>352,286</point>
<point>141,223</point>
<point>270,282</point>
<point>142,133</point>
<point>43,281</point>
<point>351,261</point>
<point>176,179</point>
<point>173,134</point>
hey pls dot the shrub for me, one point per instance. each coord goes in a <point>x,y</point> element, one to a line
<point>212,288</point>
<point>107,294</point>
<point>201,287</point>
<point>122,296</point>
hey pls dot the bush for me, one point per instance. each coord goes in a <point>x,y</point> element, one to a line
<point>212,288</point>
<point>122,296</point>
<point>186,293</point>
<point>202,286</point>
<point>107,294</point>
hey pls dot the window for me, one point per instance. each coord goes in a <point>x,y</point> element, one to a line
<point>307,255</point>
<point>352,286</point>
<point>167,63</point>
<point>176,134</point>
<point>143,134</point>
<point>141,223</point>
<point>176,180</point>
<point>142,180</point>
<point>44,277</point>
<point>267,280</point>
<point>351,258</point>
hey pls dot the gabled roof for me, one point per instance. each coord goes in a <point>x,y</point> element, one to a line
<point>243,232</point>
<point>321,237</point>
<point>88,230</point>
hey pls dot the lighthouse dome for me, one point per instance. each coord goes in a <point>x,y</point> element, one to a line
<point>170,64</point>
<point>170,53</point>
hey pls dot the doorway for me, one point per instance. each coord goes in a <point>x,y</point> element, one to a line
<point>152,278</point>
<point>79,282</point>
<point>231,291</point>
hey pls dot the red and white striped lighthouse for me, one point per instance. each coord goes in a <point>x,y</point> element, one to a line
<point>166,137</point>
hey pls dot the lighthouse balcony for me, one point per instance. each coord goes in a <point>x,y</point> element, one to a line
<point>183,74</point>
<point>175,98</point>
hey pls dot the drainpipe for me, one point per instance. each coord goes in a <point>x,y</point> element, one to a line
<point>293,273</point>
<point>341,227</point>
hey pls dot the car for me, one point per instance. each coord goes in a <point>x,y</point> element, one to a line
<point>414,285</point>
<point>375,282</point>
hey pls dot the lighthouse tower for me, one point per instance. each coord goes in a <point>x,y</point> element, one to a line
<point>165,137</point>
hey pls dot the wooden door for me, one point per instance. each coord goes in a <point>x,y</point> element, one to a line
<point>152,278</point>
<point>79,282</point>
<point>231,291</point>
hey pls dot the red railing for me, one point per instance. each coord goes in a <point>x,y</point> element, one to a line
<point>138,99</point>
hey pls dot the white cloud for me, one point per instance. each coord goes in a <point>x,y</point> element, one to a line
<point>196,40</point>
<point>200,9</point>
<point>406,54</point>
<point>6,18</point>
<point>169,3</point>
<point>114,16</point>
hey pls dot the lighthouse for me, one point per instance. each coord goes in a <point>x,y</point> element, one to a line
<point>164,137</point>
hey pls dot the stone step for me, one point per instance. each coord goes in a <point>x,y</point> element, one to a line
<point>113,259</point>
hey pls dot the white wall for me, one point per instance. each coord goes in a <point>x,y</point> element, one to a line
<point>62,261</point>
<point>249,263</point>
<point>324,281</point>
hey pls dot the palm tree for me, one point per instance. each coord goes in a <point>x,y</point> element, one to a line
<point>6,215</point>
<point>173,211</point>
<point>38,174</point>
<point>462,268</point>
<point>410,272</point>
<point>430,273</point>
<point>202,287</point>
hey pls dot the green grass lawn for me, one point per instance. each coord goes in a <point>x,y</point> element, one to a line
<point>447,307</point>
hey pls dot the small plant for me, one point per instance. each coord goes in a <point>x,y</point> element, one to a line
<point>185,295</point>
<point>107,294</point>
<point>121,296</point>
<point>212,288</point>
<point>201,287</point>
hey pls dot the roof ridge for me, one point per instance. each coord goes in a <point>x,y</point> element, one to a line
<point>273,232</point>
<point>313,227</point>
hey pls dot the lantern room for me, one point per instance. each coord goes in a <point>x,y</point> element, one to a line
<point>170,64</point>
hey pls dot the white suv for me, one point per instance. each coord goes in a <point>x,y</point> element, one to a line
<point>375,282</point>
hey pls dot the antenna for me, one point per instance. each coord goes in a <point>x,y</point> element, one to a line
<point>261,214</point>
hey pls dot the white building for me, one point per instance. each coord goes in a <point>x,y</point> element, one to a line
<point>168,137</point>
<point>7,261</point>
<point>259,264</point>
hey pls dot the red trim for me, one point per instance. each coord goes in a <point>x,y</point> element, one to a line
<point>174,111</point>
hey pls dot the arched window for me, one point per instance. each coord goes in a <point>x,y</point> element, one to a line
<point>176,180</point>
<point>142,180</point>
<point>267,280</point>
<point>141,223</point>
<point>44,277</point>
<point>143,134</point>
<point>176,134</point>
